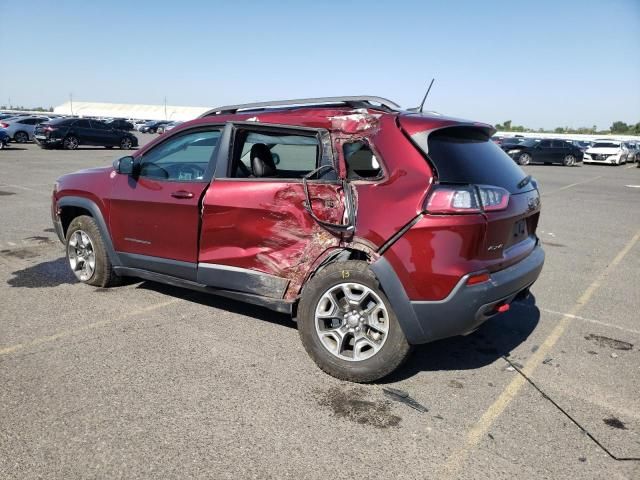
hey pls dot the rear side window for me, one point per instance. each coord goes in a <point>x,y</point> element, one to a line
<point>274,155</point>
<point>465,155</point>
<point>361,162</point>
<point>62,122</point>
<point>558,144</point>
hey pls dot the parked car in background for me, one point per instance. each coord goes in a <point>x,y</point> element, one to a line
<point>633,152</point>
<point>138,124</point>
<point>611,152</point>
<point>162,215</point>
<point>168,126</point>
<point>545,151</point>
<point>120,124</point>
<point>152,127</point>
<point>70,133</point>
<point>581,144</point>
<point>511,142</point>
<point>4,139</point>
<point>20,129</point>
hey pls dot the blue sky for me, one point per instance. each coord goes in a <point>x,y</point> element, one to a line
<point>538,63</point>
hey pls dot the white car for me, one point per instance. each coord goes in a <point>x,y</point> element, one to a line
<point>606,151</point>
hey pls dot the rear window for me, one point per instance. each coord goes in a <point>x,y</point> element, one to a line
<point>606,145</point>
<point>466,155</point>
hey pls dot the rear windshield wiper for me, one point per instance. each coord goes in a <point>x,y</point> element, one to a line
<point>525,181</point>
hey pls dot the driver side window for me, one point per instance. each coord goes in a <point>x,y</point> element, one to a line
<point>183,158</point>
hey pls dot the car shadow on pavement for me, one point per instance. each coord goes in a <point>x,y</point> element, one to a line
<point>215,301</point>
<point>44,274</point>
<point>497,337</point>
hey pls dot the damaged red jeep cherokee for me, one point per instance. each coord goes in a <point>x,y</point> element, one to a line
<point>375,228</point>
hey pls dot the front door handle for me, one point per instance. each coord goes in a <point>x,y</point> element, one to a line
<point>182,194</point>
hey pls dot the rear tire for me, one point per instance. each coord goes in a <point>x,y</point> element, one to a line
<point>368,344</point>
<point>126,143</point>
<point>84,231</point>
<point>70,143</point>
<point>21,137</point>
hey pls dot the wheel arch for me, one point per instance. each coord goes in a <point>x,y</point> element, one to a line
<point>71,207</point>
<point>333,255</point>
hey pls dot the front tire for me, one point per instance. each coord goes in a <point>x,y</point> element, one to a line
<point>569,161</point>
<point>524,159</point>
<point>87,254</point>
<point>347,325</point>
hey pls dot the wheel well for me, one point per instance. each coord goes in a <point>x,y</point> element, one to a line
<point>341,255</point>
<point>69,213</point>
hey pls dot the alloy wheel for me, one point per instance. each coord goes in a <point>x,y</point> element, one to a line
<point>525,159</point>
<point>21,137</point>
<point>81,255</point>
<point>125,144</point>
<point>71,143</point>
<point>569,161</point>
<point>352,321</point>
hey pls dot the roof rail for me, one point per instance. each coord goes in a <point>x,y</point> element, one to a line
<point>354,101</point>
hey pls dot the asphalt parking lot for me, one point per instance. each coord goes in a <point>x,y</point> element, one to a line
<point>146,380</point>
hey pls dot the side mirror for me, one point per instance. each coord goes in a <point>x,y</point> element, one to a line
<point>124,165</point>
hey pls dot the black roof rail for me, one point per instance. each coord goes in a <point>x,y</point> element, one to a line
<point>354,101</point>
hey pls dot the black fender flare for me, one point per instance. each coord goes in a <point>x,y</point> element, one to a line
<point>96,213</point>
<point>400,303</point>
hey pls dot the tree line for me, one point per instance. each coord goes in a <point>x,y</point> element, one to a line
<point>618,127</point>
<point>25,109</point>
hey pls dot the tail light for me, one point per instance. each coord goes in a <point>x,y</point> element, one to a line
<point>448,199</point>
<point>4,125</point>
<point>48,128</point>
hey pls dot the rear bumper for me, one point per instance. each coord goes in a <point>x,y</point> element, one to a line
<point>465,308</point>
<point>47,141</point>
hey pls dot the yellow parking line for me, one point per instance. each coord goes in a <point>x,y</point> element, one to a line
<point>480,429</point>
<point>75,331</point>
<point>572,185</point>
<point>591,320</point>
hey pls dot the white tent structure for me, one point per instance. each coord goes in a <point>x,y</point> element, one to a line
<point>128,110</point>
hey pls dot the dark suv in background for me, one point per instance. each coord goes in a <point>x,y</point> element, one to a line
<point>374,227</point>
<point>70,133</point>
<point>544,151</point>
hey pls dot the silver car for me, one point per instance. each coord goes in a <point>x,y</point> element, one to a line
<point>20,129</point>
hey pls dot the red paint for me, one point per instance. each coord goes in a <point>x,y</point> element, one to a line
<point>146,217</point>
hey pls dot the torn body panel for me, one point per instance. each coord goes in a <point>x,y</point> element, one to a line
<point>264,226</point>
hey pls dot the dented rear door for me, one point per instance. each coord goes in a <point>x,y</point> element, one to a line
<point>258,237</point>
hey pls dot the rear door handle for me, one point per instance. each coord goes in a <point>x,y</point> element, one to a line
<point>182,194</point>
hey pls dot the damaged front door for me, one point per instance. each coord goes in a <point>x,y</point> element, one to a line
<point>258,235</point>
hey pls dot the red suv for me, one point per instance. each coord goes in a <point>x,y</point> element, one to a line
<point>375,228</point>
